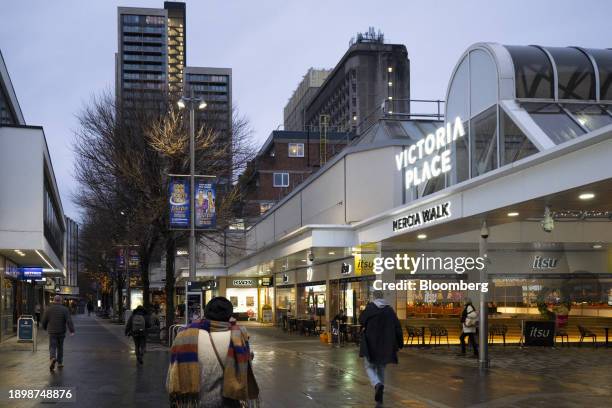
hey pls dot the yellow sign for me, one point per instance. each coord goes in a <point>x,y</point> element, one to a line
<point>364,255</point>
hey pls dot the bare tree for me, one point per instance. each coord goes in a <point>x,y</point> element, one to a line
<point>124,157</point>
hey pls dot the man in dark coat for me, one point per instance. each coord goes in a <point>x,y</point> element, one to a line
<point>382,338</point>
<point>55,320</point>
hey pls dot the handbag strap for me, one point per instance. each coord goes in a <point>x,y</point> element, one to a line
<point>215,350</point>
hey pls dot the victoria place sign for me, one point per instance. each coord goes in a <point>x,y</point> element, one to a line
<point>434,152</point>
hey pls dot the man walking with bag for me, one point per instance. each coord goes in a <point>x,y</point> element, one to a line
<point>137,326</point>
<point>55,320</point>
<point>469,322</point>
<point>381,338</point>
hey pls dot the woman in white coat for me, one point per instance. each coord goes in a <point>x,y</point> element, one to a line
<point>469,322</point>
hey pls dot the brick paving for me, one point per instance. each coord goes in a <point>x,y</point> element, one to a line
<point>296,371</point>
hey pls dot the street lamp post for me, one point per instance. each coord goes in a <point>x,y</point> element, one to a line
<point>191,102</point>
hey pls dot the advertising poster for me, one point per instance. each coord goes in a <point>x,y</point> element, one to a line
<point>205,197</point>
<point>179,202</point>
<point>133,259</point>
<point>120,260</point>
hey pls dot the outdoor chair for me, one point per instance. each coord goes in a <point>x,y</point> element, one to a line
<point>437,332</point>
<point>564,336</point>
<point>414,332</point>
<point>584,332</point>
<point>498,330</point>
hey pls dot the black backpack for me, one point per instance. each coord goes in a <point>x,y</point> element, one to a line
<point>138,325</point>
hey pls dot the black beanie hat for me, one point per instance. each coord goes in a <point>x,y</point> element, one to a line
<point>219,309</point>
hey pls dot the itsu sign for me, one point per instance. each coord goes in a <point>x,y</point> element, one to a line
<point>432,154</point>
<point>422,217</point>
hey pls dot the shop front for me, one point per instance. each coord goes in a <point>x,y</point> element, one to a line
<point>252,298</point>
<point>517,174</point>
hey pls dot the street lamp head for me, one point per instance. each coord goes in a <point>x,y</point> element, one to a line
<point>202,105</point>
<point>181,103</point>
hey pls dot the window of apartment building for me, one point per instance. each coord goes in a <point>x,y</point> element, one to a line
<point>281,180</point>
<point>296,149</point>
<point>264,207</point>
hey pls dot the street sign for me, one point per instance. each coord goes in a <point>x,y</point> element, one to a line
<point>539,333</point>
<point>26,333</point>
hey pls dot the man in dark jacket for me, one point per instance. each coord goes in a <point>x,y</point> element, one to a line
<point>382,338</point>
<point>55,320</point>
<point>137,326</point>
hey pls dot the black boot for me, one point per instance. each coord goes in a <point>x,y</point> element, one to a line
<point>378,392</point>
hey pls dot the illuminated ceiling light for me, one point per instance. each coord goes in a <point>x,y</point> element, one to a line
<point>331,253</point>
<point>303,260</point>
<point>355,117</point>
<point>597,246</point>
<point>390,112</point>
<point>390,83</point>
<point>202,105</point>
<point>586,196</point>
<point>513,214</point>
<point>390,97</point>
<point>421,236</point>
<point>390,69</point>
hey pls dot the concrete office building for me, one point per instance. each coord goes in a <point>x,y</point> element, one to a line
<point>529,154</point>
<point>370,78</point>
<point>213,85</point>
<point>295,111</point>
<point>32,225</point>
<point>70,286</point>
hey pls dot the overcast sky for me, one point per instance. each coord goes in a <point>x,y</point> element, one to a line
<point>60,53</point>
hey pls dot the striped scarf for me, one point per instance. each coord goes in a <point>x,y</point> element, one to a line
<point>183,381</point>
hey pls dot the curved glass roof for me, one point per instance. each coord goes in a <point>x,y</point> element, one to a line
<point>603,59</point>
<point>562,73</point>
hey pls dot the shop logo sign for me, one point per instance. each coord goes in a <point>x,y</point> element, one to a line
<point>545,263</point>
<point>243,282</point>
<point>422,217</point>
<point>346,269</point>
<point>433,153</point>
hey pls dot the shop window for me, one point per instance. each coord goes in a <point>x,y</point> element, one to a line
<point>483,140</point>
<point>575,73</point>
<point>603,58</point>
<point>554,121</point>
<point>281,180</point>
<point>296,149</point>
<point>590,116</point>
<point>514,142</point>
<point>533,72</point>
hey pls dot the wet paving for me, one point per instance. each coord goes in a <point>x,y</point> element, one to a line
<point>297,371</point>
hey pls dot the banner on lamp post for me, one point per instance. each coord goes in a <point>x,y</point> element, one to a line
<point>205,204</point>
<point>179,202</point>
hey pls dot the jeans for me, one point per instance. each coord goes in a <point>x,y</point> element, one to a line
<point>472,338</point>
<point>375,372</point>
<point>56,347</point>
<point>140,343</point>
